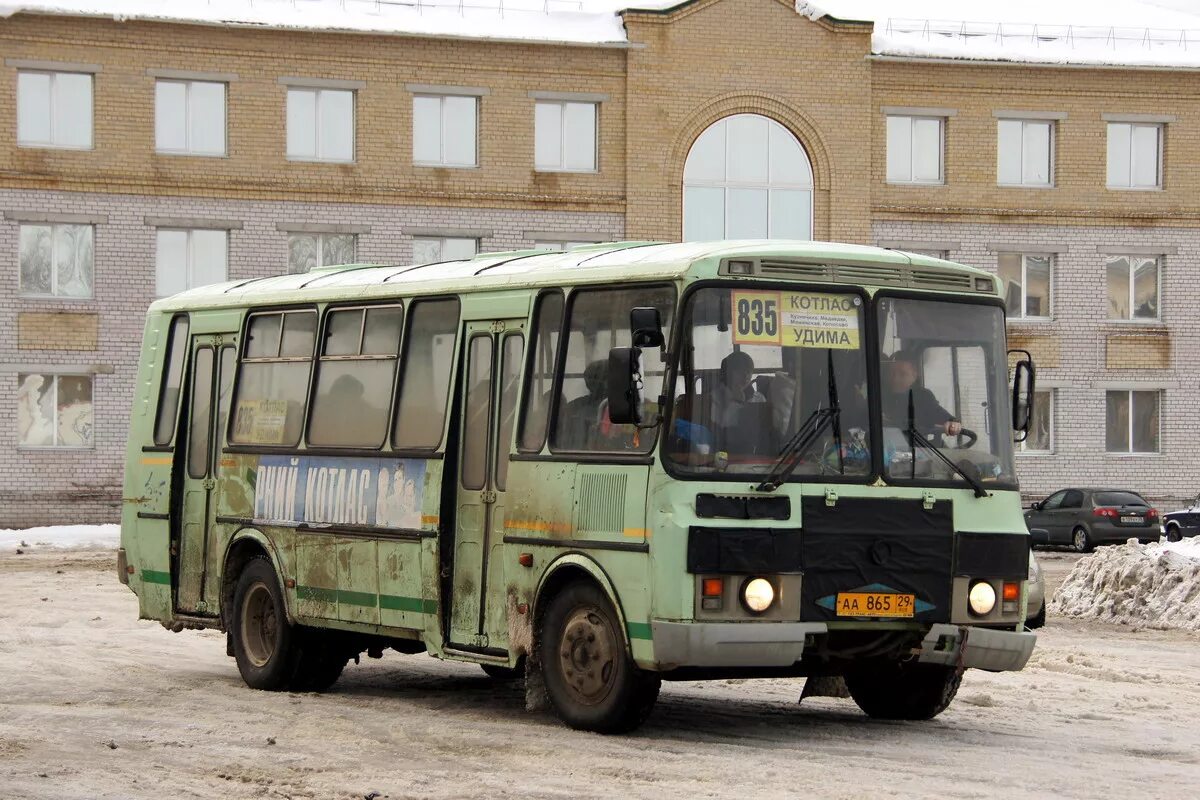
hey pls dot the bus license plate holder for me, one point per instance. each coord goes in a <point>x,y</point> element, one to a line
<point>875,604</point>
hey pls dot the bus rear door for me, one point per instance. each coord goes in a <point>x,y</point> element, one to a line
<point>492,367</point>
<point>210,385</point>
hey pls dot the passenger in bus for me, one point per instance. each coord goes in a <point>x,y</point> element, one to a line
<point>356,422</point>
<point>927,413</point>
<point>581,423</point>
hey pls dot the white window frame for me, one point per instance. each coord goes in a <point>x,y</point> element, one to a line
<point>442,162</point>
<point>188,83</point>
<point>54,226</point>
<point>1158,167</point>
<point>191,254</point>
<point>54,377</point>
<point>1158,270</point>
<point>941,179</point>
<point>1023,317</point>
<point>1129,432</point>
<point>1052,133</point>
<point>320,92</point>
<point>1023,447</point>
<point>562,135</point>
<point>54,123</point>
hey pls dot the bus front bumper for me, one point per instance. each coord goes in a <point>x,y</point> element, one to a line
<point>781,644</point>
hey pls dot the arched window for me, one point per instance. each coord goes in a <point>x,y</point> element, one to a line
<point>747,177</point>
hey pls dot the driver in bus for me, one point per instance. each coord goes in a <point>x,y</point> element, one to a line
<point>928,415</point>
<point>734,391</point>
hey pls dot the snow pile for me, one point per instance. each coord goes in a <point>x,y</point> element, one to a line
<point>1155,585</point>
<point>61,537</point>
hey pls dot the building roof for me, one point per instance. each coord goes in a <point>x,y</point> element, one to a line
<point>1128,33</point>
<point>591,264</point>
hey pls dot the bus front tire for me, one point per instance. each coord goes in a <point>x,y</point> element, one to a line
<point>271,653</point>
<point>903,690</point>
<point>590,679</point>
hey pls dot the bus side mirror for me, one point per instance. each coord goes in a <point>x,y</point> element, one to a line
<point>625,385</point>
<point>645,325</point>
<point>1022,393</point>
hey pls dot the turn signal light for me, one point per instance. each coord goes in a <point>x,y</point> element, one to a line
<point>1011,591</point>
<point>712,587</point>
<point>1105,512</point>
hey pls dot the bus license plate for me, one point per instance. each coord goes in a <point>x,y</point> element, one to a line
<point>1133,520</point>
<point>874,604</point>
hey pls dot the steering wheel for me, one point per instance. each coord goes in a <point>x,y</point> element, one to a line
<point>971,436</point>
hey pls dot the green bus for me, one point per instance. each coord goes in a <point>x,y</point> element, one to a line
<point>594,470</point>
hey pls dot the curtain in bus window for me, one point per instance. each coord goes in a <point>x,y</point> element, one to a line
<point>354,377</point>
<point>272,387</point>
<point>425,382</point>
<point>542,359</point>
<point>600,322</point>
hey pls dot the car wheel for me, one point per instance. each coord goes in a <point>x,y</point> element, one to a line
<point>1037,620</point>
<point>1173,534</point>
<point>1080,541</point>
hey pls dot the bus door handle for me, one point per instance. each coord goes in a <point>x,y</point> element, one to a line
<point>487,497</point>
<point>209,484</point>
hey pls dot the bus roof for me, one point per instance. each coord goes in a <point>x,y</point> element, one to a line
<point>588,264</point>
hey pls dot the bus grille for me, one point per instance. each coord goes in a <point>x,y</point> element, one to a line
<point>870,275</point>
<point>601,503</point>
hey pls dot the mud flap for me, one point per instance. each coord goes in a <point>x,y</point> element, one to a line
<point>824,686</point>
<point>536,699</point>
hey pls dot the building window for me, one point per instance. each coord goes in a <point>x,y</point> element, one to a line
<point>1131,421</point>
<point>914,149</point>
<point>1134,155</point>
<point>428,249</point>
<point>445,130</point>
<point>54,109</point>
<point>564,136</point>
<point>747,177</point>
<point>57,260</point>
<point>54,410</point>
<point>1041,425</point>
<point>320,124</point>
<point>1027,285</point>
<point>308,250</point>
<point>1132,288</point>
<point>190,258</point>
<point>189,117</point>
<point>1025,152</point>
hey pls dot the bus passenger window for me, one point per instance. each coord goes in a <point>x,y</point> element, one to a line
<point>272,386</point>
<point>354,377</point>
<point>543,357</point>
<point>599,322</point>
<point>168,400</point>
<point>425,382</point>
<point>510,379</point>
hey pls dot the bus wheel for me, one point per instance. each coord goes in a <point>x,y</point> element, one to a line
<point>903,690</point>
<point>264,644</point>
<point>592,682</point>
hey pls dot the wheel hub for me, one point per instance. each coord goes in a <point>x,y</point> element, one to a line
<point>587,654</point>
<point>260,625</point>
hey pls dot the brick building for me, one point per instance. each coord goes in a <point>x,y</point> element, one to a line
<point>143,152</point>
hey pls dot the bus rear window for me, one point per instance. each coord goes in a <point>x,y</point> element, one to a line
<point>272,386</point>
<point>168,398</point>
<point>425,383</point>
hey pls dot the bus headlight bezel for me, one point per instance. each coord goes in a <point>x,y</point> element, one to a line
<point>757,595</point>
<point>981,598</point>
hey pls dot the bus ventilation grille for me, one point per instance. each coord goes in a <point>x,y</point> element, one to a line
<point>906,277</point>
<point>601,503</point>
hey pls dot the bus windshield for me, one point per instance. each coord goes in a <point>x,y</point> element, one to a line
<point>944,392</point>
<point>766,373</point>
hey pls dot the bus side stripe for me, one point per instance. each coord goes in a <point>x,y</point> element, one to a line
<point>154,576</point>
<point>639,630</point>
<point>390,602</point>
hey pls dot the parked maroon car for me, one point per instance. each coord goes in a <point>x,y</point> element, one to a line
<point>1083,518</point>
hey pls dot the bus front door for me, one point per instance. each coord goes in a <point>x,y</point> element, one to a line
<point>492,367</point>
<point>209,390</point>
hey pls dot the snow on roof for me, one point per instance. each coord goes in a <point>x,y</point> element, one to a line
<point>1158,33</point>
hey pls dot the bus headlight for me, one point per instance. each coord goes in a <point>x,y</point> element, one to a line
<point>981,598</point>
<point>758,594</point>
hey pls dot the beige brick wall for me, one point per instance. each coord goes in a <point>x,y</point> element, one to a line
<point>57,330</point>
<point>1138,351</point>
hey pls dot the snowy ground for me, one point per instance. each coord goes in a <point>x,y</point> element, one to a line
<point>96,704</point>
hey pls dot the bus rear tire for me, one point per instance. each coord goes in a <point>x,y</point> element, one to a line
<point>264,643</point>
<point>591,681</point>
<point>903,690</point>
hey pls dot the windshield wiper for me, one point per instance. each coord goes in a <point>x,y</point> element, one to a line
<point>917,439</point>
<point>797,446</point>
